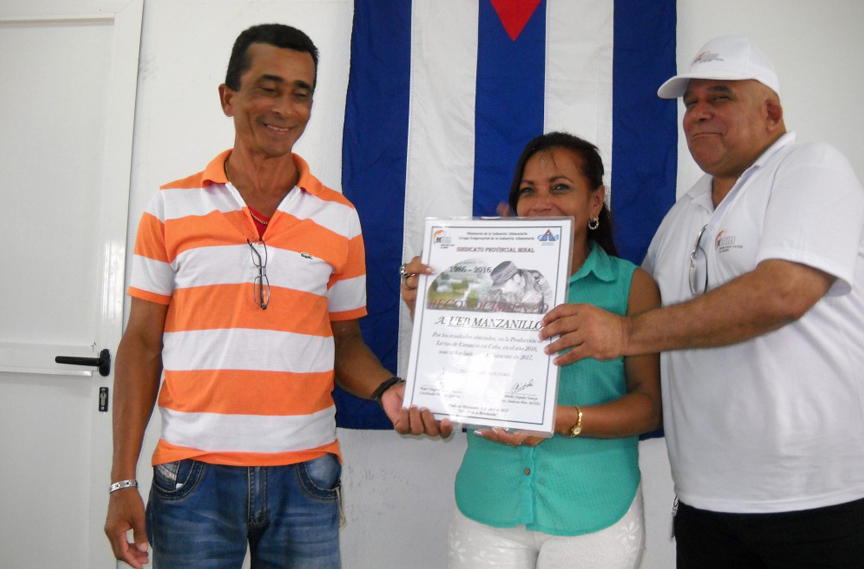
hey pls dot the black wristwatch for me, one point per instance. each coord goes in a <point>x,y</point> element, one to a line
<point>384,386</point>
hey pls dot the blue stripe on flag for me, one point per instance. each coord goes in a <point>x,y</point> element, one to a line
<point>644,129</point>
<point>509,101</point>
<point>373,176</point>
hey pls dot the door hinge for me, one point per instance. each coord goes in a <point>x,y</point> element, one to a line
<point>103,399</point>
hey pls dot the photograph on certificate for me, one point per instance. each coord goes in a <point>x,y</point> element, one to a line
<point>476,355</point>
<point>473,285</point>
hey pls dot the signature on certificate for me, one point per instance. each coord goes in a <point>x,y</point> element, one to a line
<point>519,387</point>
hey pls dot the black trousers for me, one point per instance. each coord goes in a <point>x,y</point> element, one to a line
<point>829,538</point>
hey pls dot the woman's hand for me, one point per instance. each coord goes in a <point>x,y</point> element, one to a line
<point>410,279</point>
<point>514,439</point>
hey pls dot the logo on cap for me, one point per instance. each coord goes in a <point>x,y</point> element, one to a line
<point>707,57</point>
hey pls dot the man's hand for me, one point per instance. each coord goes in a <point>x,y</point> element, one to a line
<point>513,439</point>
<point>360,372</point>
<point>588,331</point>
<point>125,512</point>
<point>412,421</point>
<point>137,371</point>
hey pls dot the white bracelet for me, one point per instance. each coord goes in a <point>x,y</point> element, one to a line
<point>122,485</point>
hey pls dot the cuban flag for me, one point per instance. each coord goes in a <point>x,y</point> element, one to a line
<point>444,94</point>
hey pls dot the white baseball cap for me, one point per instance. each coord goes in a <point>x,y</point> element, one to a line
<point>729,58</point>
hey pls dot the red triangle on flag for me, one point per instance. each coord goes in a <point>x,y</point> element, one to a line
<point>515,14</point>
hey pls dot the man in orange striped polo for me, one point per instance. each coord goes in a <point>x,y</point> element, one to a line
<point>247,284</point>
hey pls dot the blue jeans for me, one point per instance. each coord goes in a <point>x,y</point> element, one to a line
<point>204,515</point>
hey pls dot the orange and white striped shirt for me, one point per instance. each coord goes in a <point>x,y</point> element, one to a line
<point>246,386</point>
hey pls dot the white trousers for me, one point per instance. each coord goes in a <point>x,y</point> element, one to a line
<point>473,545</point>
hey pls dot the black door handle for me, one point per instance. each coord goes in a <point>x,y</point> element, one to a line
<point>103,362</point>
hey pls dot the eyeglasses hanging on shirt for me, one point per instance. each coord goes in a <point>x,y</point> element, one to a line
<point>262,283</point>
<point>699,266</point>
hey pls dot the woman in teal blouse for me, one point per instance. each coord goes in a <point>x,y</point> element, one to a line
<point>572,500</point>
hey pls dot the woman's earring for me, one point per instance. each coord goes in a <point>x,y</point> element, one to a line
<point>594,223</point>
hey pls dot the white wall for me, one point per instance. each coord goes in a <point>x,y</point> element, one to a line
<point>398,490</point>
<point>815,47</point>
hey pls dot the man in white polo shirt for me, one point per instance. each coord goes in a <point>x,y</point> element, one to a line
<point>761,270</point>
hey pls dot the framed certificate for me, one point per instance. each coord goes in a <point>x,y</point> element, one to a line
<point>476,356</point>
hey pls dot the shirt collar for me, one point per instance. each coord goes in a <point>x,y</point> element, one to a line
<point>214,173</point>
<point>700,193</point>
<point>598,263</point>
<point>308,182</point>
<point>785,140</point>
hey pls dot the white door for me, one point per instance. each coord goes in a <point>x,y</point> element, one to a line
<point>67,99</point>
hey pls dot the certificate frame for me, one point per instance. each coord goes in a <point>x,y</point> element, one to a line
<point>476,356</point>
